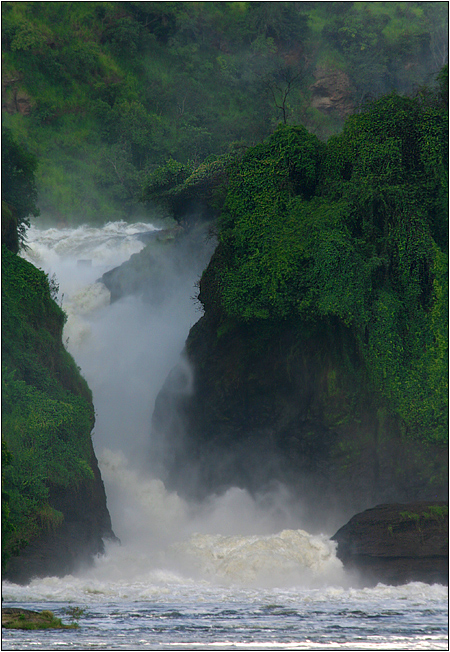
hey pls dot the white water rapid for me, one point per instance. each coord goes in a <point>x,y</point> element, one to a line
<point>234,572</point>
<point>125,351</point>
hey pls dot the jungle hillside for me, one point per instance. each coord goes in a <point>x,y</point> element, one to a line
<point>316,136</point>
<point>115,97</point>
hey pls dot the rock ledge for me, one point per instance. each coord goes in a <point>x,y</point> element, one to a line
<point>397,543</point>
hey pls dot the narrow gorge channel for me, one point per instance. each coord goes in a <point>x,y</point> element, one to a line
<point>125,349</point>
<point>216,573</point>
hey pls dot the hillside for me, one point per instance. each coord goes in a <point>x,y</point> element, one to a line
<point>54,513</point>
<point>103,93</point>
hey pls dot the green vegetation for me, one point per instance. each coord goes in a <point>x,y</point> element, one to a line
<point>26,619</point>
<point>437,513</point>
<point>19,194</point>
<point>47,412</point>
<point>106,93</point>
<point>354,231</point>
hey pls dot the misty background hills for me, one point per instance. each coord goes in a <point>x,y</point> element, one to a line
<point>105,93</point>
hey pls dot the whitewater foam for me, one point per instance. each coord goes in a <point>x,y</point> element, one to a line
<point>287,558</point>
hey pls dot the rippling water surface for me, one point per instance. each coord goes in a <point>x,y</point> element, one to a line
<point>233,572</point>
<point>169,612</point>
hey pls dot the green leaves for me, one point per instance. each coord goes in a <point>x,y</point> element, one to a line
<point>353,232</point>
<point>47,411</point>
<point>18,185</point>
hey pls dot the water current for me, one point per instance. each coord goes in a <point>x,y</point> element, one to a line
<point>236,572</point>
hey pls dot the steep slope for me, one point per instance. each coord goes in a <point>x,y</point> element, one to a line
<point>321,359</point>
<point>106,92</point>
<point>53,489</point>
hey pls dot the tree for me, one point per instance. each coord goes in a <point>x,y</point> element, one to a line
<point>279,86</point>
<point>19,194</point>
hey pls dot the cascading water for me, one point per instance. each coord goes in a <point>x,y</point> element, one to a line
<point>232,571</point>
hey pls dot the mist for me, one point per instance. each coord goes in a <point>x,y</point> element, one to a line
<point>126,349</point>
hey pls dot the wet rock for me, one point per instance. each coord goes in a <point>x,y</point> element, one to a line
<point>282,405</point>
<point>154,273</point>
<point>397,543</point>
<point>76,542</point>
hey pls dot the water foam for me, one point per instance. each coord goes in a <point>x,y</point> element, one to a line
<point>107,246</point>
<point>125,351</point>
<point>290,557</point>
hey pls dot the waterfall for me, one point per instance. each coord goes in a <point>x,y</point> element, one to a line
<point>125,350</point>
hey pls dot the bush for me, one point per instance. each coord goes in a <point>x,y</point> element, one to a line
<point>357,231</point>
<point>18,189</point>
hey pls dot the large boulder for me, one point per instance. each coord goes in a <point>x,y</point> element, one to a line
<point>332,92</point>
<point>397,543</point>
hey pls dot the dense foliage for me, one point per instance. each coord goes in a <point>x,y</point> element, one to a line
<point>172,101</point>
<point>106,92</point>
<point>19,194</point>
<point>47,412</point>
<point>355,231</point>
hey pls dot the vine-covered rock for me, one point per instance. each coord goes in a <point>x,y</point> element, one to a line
<point>321,359</point>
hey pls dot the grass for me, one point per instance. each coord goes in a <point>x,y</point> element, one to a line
<point>28,620</point>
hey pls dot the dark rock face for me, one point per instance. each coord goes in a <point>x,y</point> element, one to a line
<point>397,543</point>
<point>253,407</point>
<point>155,272</point>
<point>73,545</point>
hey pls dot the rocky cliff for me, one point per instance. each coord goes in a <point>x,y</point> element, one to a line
<point>54,513</point>
<point>256,406</point>
<point>332,92</point>
<point>321,358</point>
<point>73,545</point>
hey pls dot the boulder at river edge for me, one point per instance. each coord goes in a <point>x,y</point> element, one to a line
<point>397,543</point>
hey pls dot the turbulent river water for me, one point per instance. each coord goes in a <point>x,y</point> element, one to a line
<point>234,572</point>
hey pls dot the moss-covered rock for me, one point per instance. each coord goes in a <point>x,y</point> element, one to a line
<point>16,618</point>
<point>397,543</point>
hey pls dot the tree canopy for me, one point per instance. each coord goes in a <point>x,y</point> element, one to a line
<point>19,193</point>
<point>354,231</point>
<point>105,93</point>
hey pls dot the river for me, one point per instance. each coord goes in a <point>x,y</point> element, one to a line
<point>235,572</point>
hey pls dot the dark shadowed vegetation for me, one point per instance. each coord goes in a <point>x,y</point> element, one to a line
<point>355,231</point>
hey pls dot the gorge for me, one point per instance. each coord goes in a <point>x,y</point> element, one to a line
<point>225,324</point>
<point>300,373</point>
